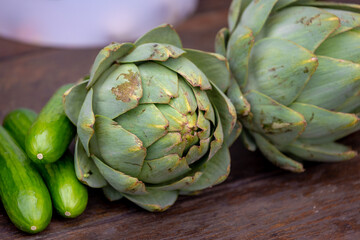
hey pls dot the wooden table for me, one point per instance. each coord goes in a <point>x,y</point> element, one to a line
<point>257,201</point>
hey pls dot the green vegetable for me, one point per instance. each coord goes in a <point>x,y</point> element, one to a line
<point>51,133</point>
<point>152,120</point>
<point>18,123</point>
<point>298,63</point>
<point>68,195</point>
<point>22,190</point>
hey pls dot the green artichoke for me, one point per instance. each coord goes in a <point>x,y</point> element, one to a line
<point>153,121</point>
<point>298,65</point>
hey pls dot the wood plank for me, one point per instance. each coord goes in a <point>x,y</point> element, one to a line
<point>212,6</point>
<point>9,48</point>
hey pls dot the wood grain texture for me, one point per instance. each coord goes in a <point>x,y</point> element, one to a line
<point>10,49</point>
<point>257,201</point>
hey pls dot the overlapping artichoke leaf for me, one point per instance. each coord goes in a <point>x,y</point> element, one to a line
<point>146,122</point>
<point>238,52</point>
<point>343,46</point>
<point>306,26</point>
<point>152,52</point>
<point>188,70</point>
<point>86,121</point>
<point>255,14</point>
<point>234,14</point>
<point>324,125</point>
<point>119,148</point>
<point>155,200</point>
<point>221,40</point>
<point>214,66</point>
<point>351,105</point>
<point>272,69</point>
<point>162,34</point>
<point>348,20</point>
<point>152,120</point>
<point>73,100</point>
<point>237,98</point>
<point>225,108</point>
<point>111,193</point>
<point>303,67</point>
<point>200,176</point>
<point>160,84</point>
<point>334,81</point>
<point>85,168</point>
<point>248,140</point>
<point>214,171</point>
<point>235,134</point>
<point>106,58</point>
<point>274,155</point>
<point>278,123</point>
<point>118,180</point>
<point>326,152</point>
<point>117,91</point>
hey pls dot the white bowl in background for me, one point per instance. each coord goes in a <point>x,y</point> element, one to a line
<point>86,23</point>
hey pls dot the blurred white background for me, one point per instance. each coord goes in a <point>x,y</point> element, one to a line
<point>86,23</point>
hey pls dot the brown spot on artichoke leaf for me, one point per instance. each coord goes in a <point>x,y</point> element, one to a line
<point>108,49</point>
<point>275,125</point>
<point>125,91</point>
<point>134,187</point>
<point>87,125</point>
<point>114,123</point>
<point>272,69</point>
<point>306,21</point>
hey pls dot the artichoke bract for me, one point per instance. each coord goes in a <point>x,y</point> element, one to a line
<point>153,121</point>
<point>298,66</point>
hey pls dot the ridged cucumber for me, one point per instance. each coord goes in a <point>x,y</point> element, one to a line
<point>22,190</point>
<point>18,123</point>
<point>51,133</point>
<point>68,195</point>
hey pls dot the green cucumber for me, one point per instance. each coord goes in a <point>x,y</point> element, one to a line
<point>18,123</point>
<point>22,190</point>
<point>68,195</point>
<point>51,133</point>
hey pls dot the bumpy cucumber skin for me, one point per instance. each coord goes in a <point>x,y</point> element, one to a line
<point>18,123</point>
<point>68,195</point>
<point>22,190</point>
<point>52,132</point>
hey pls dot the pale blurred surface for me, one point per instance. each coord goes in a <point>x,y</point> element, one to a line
<point>87,23</point>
